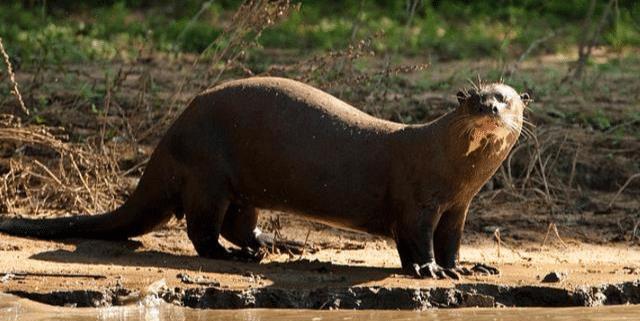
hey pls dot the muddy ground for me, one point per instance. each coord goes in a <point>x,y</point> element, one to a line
<point>576,173</point>
<point>350,270</point>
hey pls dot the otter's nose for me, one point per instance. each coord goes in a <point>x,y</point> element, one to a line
<point>489,108</point>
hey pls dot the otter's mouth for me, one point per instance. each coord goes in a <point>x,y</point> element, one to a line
<point>489,121</point>
<point>498,125</point>
<point>488,133</point>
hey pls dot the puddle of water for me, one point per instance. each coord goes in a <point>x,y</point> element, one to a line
<point>14,309</point>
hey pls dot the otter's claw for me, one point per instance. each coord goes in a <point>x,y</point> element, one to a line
<point>463,270</point>
<point>484,269</point>
<point>435,271</point>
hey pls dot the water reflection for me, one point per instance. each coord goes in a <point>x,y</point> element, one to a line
<point>14,309</point>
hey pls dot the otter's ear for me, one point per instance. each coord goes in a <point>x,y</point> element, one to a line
<point>462,96</point>
<point>526,99</point>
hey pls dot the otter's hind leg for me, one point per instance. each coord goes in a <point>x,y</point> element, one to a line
<point>205,205</point>
<point>241,228</point>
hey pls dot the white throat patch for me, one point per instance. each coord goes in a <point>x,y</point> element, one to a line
<point>484,138</point>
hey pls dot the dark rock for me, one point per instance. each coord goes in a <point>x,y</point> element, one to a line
<point>478,300</point>
<point>536,296</point>
<point>78,298</point>
<point>554,277</point>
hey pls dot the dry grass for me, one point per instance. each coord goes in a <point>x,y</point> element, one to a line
<point>548,166</point>
<point>75,178</point>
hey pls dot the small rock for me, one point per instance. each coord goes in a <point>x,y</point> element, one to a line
<point>184,278</point>
<point>7,277</point>
<point>554,277</point>
<point>187,279</point>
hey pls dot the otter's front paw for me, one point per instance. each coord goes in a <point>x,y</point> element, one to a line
<point>483,269</point>
<point>435,271</point>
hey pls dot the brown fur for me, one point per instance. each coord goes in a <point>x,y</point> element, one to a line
<point>273,143</point>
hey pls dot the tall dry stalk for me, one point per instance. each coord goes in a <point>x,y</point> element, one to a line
<point>246,26</point>
<point>12,77</point>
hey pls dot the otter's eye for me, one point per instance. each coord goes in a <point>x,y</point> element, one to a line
<point>499,97</point>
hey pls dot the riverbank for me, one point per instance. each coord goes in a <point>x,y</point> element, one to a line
<point>576,176</point>
<point>348,271</point>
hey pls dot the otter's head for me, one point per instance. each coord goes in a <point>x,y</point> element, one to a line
<point>491,113</point>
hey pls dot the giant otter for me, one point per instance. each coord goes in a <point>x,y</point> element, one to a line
<point>274,143</point>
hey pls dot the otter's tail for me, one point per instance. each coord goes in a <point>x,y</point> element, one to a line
<point>149,206</point>
<point>116,225</point>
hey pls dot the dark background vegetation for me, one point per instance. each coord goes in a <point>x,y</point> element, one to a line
<point>68,30</point>
<point>103,79</point>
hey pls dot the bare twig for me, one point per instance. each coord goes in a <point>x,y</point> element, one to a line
<point>304,245</point>
<point>554,228</point>
<point>496,235</point>
<point>193,19</point>
<point>46,169</point>
<point>532,46</point>
<point>542,169</point>
<point>247,25</point>
<point>555,231</point>
<point>572,174</point>
<point>586,46</point>
<point>629,180</point>
<point>621,125</point>
<point>84,181</point>
<point>357,21</point>
<point>12,78</point>
<point>635,230</point>
<point>500,242</point>
<point>412,6</point>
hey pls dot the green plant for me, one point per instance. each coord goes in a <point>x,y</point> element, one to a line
<point>599,120</point>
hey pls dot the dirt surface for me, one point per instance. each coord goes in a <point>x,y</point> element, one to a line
<point>348,266</point>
